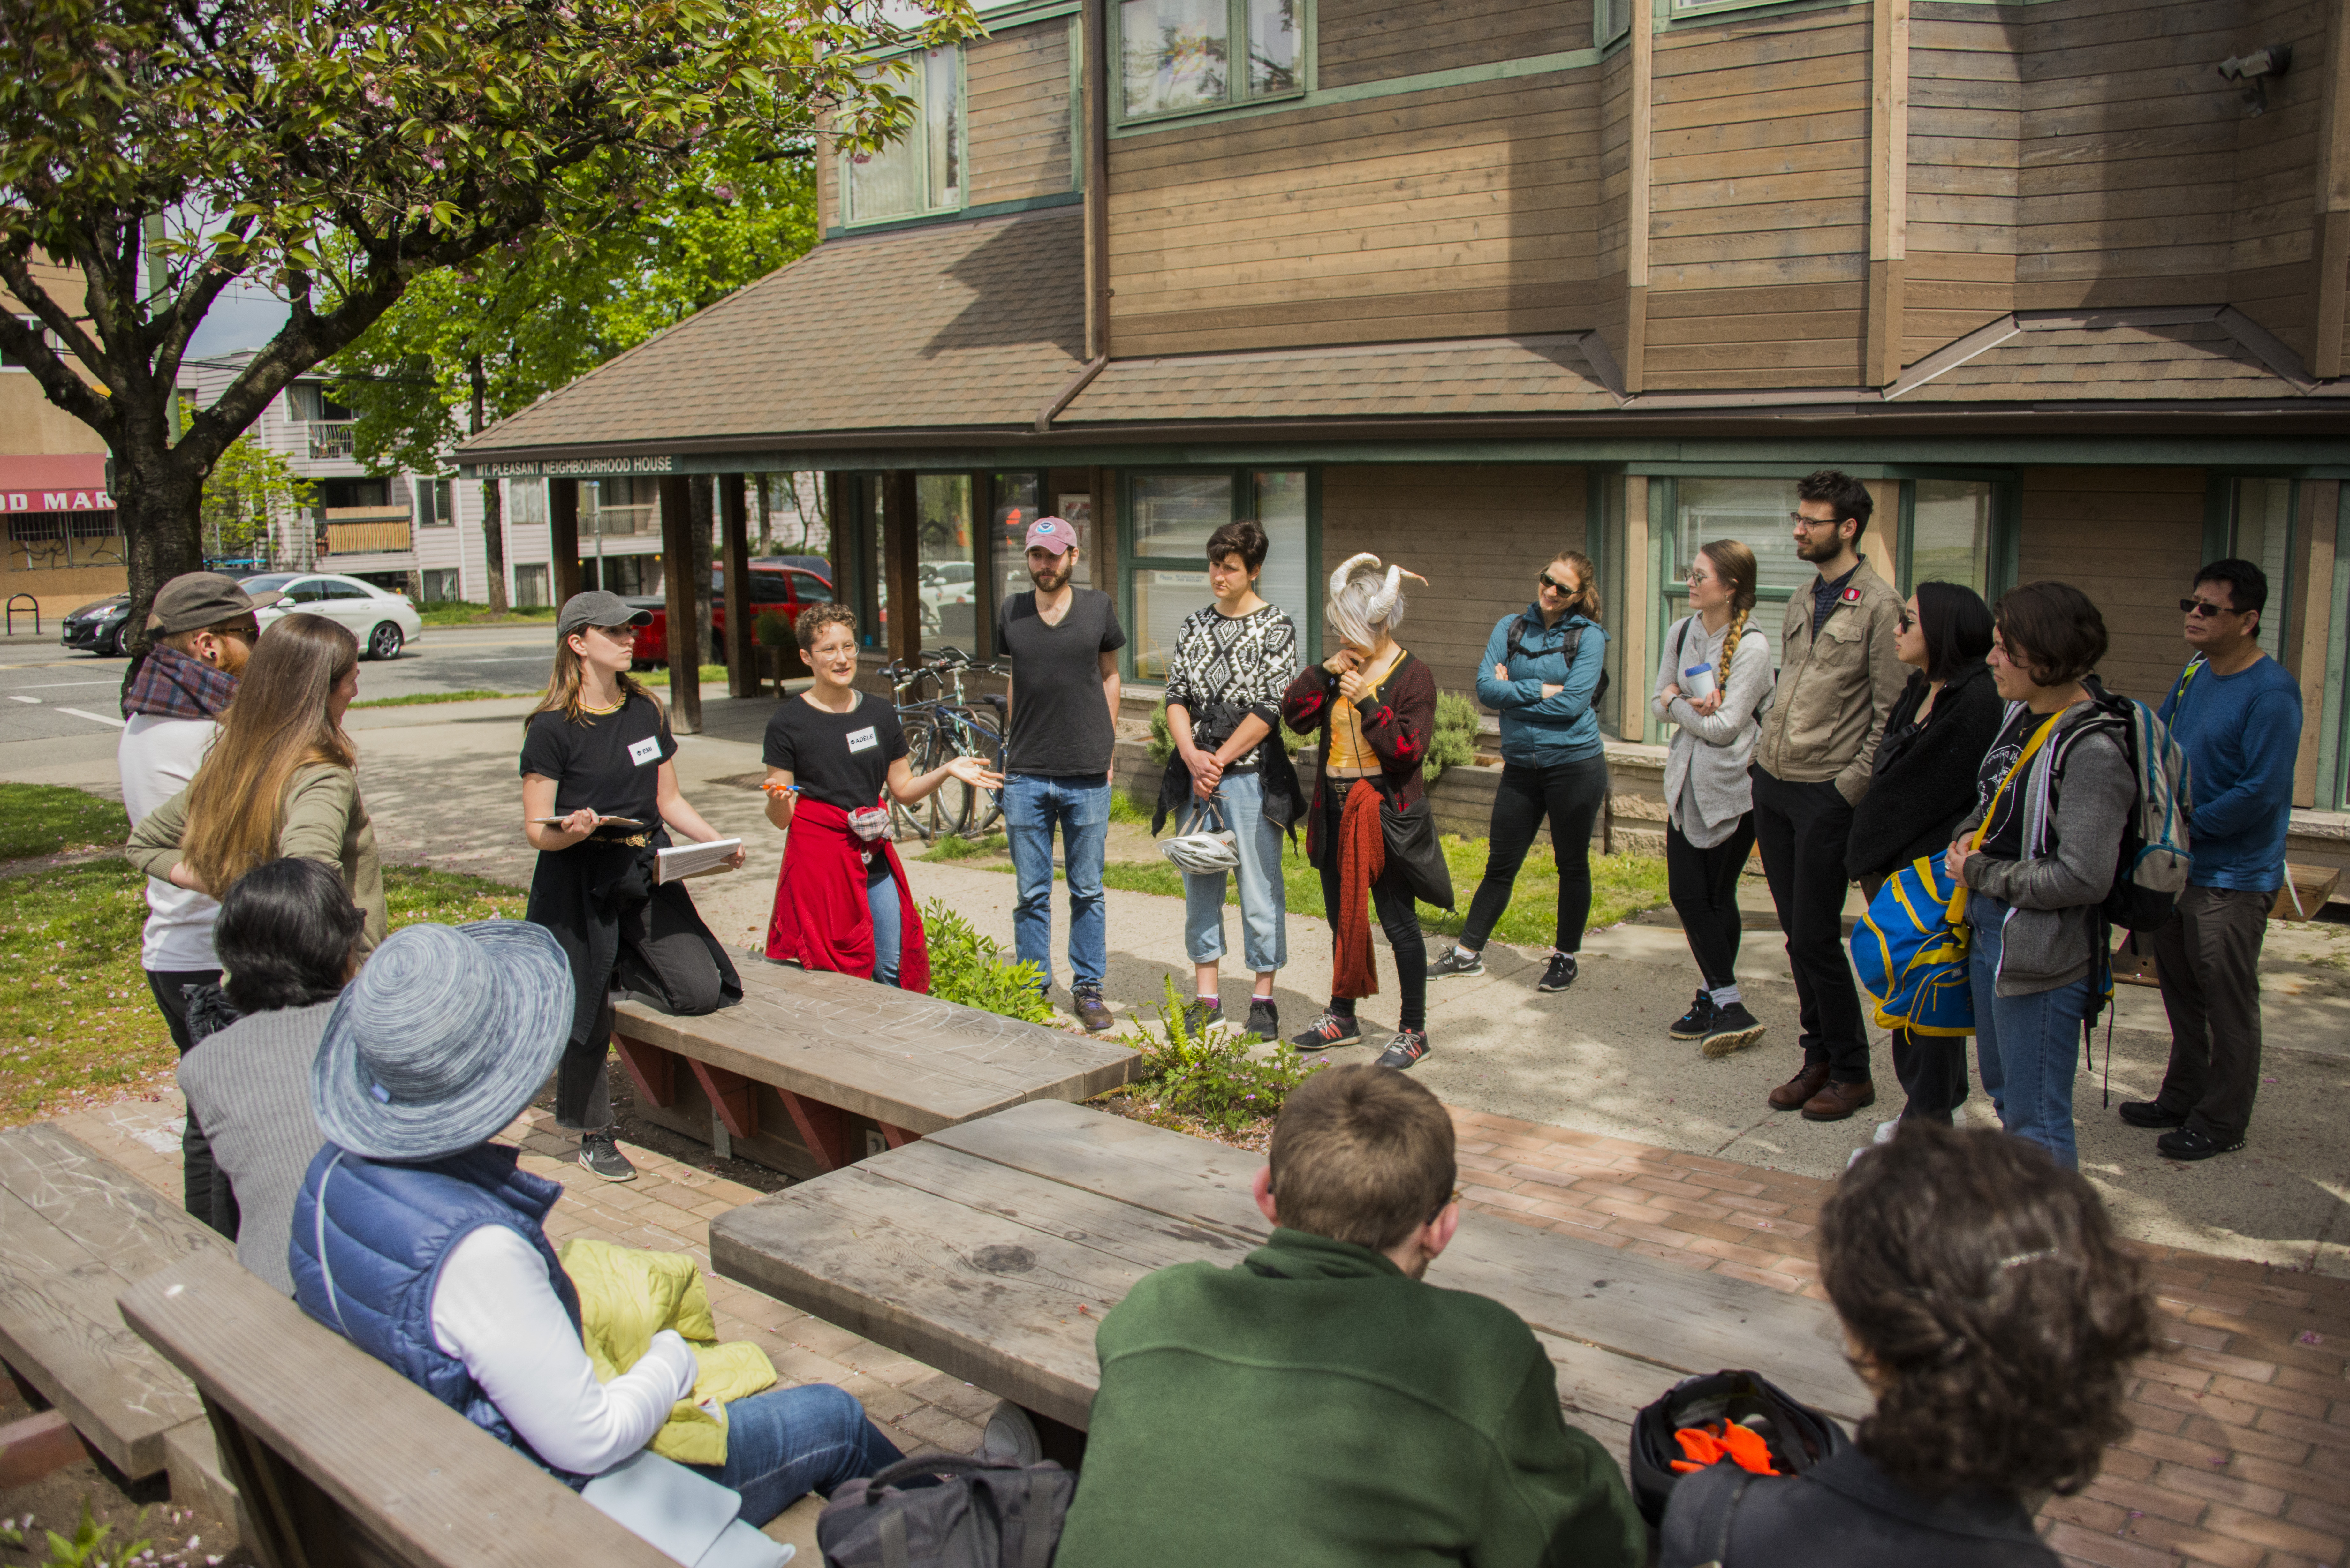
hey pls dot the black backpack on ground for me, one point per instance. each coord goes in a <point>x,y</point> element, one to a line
<point>1799,1436</point>
<point>942,1511</point>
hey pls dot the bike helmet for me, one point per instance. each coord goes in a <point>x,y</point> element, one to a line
<point>1200,850</point>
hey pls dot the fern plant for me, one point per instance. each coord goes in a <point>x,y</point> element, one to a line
<point>87,1547</point>
<point>965,967</point>
<point>1213,1077</point>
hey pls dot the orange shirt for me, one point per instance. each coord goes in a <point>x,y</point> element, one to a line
<point>1349,751</point>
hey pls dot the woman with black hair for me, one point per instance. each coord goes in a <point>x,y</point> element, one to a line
<point>1989,1306</point>
<point>288,940</point>
<point>1923,783</point>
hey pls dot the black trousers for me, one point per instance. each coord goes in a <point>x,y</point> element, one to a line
<point>1932,1067</point>
<point>662,958</point>
<point>2208,960</point>
<point>1802,828</point>
<point>1570,795</point>
<point>204,1185</point>
<point>1703,886</point>
<point>1398,918</point>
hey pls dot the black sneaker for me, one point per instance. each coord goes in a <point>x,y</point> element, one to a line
<point>1201,1016</point>
<point>1092,1012</point>
<point>1732,1028</point>
<point>1457,959</point>
<point>1692,1025</point>
<point>1560,974</point>
<point>1329,1031</point>
<point>601,1156</point>
<point>2193,1143</point>
<point>1264,1019</point>
<point>1406,1049</point>
<point>2150,1114</point>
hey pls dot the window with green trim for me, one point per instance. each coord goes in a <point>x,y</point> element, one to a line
<point>1676,9</point>
<point>1610,20</point>
<point>2260,529</point>
<point>920,172</point>
<point>1163,569</point>
<point>1179,56</point>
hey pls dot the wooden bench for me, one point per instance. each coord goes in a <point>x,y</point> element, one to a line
<point>76,1230</point>
<point>815,1070</point>
<point>991,1250</point>
<point>343,1463</point>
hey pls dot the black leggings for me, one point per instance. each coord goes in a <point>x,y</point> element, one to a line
<point>663,959</point>
<point>1703,884</point>
<point>1570,795</point>
<point>1399,917</point>
<point>205,1186</point>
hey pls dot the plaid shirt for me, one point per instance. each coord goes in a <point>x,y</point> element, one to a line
<point>169,684</point>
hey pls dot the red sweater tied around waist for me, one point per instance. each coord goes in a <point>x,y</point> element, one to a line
<point>821,919</point>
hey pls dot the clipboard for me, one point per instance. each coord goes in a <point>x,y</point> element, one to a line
<point>679,861</point>
<point>601,822</point>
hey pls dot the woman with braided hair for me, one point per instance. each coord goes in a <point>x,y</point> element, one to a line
<point>1712,681</point>
<point>1989,1304</point>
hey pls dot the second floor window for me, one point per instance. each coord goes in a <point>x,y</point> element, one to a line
<point>922,171</point>
<point>1180,55</point>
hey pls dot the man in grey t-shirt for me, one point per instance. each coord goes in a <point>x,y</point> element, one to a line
<point>1062,641</point>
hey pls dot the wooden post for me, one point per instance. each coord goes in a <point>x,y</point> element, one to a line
<point>1097,178</point>
<point>677,578</point>
<point>1889,192</point>
<point>742,652</point>
<point>1639,590</point>
<point>900,585</point>
<point>2310,629</point>
<point>563,537</point>
<point>986,554</point>
<point>1636,229</point>
<point>2330,242</point>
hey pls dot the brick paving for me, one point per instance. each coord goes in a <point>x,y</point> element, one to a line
<point>2241,1458</point>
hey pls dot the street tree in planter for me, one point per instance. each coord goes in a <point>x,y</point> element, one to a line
<point>335,150</point>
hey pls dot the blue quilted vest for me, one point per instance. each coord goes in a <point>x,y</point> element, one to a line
<point>367,1244</point>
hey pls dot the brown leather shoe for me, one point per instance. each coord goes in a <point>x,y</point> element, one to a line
<point>1836,1101</point>
<point>1801,1087</point>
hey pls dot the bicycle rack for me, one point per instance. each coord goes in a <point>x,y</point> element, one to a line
<point>12,613</point>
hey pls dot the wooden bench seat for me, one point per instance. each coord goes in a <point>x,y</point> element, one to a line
<point>991,1250</point>
<point>343,1463</point>
<point>815,1070</point>
<point>75,1230</point>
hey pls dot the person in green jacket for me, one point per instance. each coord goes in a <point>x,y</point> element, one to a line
<point>1320,1403</point>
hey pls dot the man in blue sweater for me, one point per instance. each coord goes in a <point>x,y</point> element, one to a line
<point>2237,715</point>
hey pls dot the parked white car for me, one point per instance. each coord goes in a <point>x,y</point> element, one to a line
<point>383,621</point>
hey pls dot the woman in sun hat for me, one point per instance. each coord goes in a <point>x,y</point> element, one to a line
<point>422,1242</point>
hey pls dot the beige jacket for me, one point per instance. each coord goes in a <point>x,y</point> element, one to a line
<point>1833,693</point>
<point>325,820</point>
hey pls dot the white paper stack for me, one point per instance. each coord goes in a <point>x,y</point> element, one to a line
<point>684,860</point>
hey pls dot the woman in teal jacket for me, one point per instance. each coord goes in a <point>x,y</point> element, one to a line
<point>1542,674</point>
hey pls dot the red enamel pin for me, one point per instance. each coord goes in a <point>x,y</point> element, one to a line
<point>1852,596</point>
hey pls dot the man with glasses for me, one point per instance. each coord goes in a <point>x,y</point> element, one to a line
<point>2237,715</point>
<point>205,628</point>
<point>1839,678</point>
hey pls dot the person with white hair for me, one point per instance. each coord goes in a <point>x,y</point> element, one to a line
<point>1372,708</point>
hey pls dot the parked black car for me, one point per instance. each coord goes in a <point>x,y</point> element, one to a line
<point>98,628</point>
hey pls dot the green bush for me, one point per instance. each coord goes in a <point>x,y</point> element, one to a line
<point>1215,1078</point>
<point>1454,744</point>
<point>965,967</point>
<point>772,629</point>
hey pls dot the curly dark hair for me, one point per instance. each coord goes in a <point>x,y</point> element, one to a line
<point>2052,630</point>
<point>1848,495</point>
<point>815,617</point>
<point>1986,1284</point>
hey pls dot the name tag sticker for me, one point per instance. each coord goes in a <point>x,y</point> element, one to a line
<point>862,740</point>
<point>645,751</point>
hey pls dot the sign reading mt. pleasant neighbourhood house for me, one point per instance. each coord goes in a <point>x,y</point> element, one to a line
<point>571,467</point>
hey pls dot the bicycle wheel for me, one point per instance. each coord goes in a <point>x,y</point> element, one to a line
<point>919,820</point>
<point>985,741</point>
<point>950,803</point>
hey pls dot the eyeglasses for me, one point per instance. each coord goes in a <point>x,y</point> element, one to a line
<point>1555,586</point>
<point>1697,577</point>
<point>1800,521</point>
<point>2206,609</point>
<point>1444,1206</point>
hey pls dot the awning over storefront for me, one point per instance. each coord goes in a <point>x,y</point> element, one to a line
<point>74,482</point>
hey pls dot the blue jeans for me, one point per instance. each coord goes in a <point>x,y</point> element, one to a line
<point>1034,804</point>
<point>889,935</point>
<point>788,1442</point>
<point>2026,1047</point>
<point>1264,927</point>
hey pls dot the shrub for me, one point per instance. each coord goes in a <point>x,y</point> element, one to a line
<point>1215,1078</point>
<point>965,967</point>
<point>1454,744</point>
<point>772,629</point>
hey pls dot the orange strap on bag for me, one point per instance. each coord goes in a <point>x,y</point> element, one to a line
<point>1710,1445</point>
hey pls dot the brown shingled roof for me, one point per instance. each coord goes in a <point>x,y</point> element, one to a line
<point>2189,352</point>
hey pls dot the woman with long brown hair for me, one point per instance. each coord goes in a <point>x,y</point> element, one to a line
<point>599,796</point>
<point>279,781</point>
<point>1711,682</point>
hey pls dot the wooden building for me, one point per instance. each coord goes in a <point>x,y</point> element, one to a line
<point>1468,283</point>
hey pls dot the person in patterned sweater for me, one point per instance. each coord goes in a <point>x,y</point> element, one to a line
<point>1372,708</point>
<point>1233,659</point>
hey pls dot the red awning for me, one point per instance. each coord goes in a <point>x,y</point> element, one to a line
<point>75,482</point>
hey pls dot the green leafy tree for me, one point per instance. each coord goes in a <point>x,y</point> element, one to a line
<point>248,490</point>
<point>339,151</point>
<point>466,347</point>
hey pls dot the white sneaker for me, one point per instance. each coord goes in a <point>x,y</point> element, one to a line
<point>1885,1130</point>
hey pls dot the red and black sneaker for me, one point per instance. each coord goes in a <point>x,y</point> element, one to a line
<point>1329,1031</point>
<point>1406,1049</point>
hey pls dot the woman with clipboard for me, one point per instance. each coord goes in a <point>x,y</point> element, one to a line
<point>599,796</point>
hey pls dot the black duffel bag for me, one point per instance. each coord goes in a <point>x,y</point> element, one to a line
<point>1798,1436</point>
<point>942,1511</point>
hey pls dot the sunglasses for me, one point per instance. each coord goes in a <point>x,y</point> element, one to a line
<point>1555,586</point>
<point>1906,620</point>
<point>2206,609</point>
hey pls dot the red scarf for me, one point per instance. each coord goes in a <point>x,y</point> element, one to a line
<point>1362,851</point>
<point>821,919</point>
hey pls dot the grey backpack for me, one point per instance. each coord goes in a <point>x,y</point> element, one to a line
<point>942,1511</point>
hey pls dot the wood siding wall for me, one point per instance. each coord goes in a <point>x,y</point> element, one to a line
<point>1018,101</point>
<point>2130,538</point>
<point>1498,525</point>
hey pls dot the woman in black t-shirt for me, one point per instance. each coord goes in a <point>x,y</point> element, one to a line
<point>833,755</point>
<point>599,796</point>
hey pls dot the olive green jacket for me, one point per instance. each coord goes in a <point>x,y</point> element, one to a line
<point>324,819</point>
<point>1835,691</point>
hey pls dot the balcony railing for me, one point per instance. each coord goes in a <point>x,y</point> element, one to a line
<point>330,438</point>
<point>365,538</point>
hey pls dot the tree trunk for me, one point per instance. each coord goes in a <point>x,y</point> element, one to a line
<point>767,511</point>
<point>704,512</point>
<point>160,510</point>
<point>493,512</point>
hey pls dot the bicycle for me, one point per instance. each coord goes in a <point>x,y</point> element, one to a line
<point>939,729</point>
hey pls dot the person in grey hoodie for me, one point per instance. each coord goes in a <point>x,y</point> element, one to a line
<point>2040,866</point>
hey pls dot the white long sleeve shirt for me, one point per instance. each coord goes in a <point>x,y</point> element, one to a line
<point>158,756</point>
<point>493,1308</point>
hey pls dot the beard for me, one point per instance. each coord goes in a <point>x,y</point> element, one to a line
<point>1813,549</point>
<point>1050,579</point>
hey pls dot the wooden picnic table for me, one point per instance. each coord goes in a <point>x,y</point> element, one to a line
<point>815,1070</point>
<point>991,1250</point>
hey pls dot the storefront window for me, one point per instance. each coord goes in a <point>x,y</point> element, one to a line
<point>2260,529</point>
<point>1949,534</point>
<point>921,171</point>
<point>946,569</point>
<point>1166,570</point>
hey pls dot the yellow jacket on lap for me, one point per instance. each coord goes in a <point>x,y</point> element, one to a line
<point>627,1296</point>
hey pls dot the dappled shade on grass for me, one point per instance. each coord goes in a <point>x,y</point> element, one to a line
<point>50,819</point>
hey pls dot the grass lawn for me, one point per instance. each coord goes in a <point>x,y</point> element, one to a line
<point>420,698</point>
<point>457,612</point>
<point>77,1019</point>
